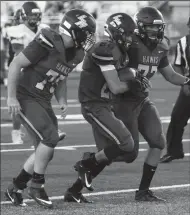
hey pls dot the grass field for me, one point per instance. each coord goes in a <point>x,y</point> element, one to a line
<point>115,187</point>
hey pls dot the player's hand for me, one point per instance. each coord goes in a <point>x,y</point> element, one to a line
<point>13,106</point>
<point>143,82</point>
<point>63,111</point>
<point>186,89</point>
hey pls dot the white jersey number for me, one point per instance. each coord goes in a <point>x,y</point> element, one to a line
<point>147,70</point>
<point>53,78</point>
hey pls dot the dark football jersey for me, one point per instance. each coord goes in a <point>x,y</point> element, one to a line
<point>51,62</point>
<point>93,86</point>
<point>147,61</point>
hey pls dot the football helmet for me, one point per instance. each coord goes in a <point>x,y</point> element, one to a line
<point>150,24</point>
<point>31,13</point>
<point>80,26</point>
<point>120,28</point>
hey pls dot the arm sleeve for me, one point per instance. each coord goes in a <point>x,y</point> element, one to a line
<point>34,52</point>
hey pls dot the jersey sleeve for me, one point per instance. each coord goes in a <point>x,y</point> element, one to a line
<point>103,54</point>
<point>45,38</point>
<point>35,52</point>
<point>39,47</point>
<point>163,62</point>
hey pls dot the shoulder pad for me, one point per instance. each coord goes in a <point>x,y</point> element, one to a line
<point>45,38</point>
<point>103,52</point>
<point>164,44</point>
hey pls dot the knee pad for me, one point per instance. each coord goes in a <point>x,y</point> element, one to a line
<point>128,145</point>
<point>159,143</point>
<point>127,157</point>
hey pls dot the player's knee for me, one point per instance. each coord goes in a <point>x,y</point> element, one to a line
<point>131,157</point>
<point>159,142</point>
<point>127,145</point>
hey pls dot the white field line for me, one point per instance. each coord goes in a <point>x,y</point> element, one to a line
<point>54,106</point>
<point>69,100</point>
<point>57,148</point>
<point>111,192</point>
<point>79,119</point>
<point>78,146</point>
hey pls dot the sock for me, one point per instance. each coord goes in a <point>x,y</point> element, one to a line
<point>22,179</point>
<point>148,173</point>
<point>77,186</point>
<point>98,169</point>
<point>37,179</point>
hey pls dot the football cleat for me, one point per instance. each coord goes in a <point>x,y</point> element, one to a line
<point>147,196</point>
<point>61,134</point>
<point>168,158</point>
<point>40,196</point>
<point>14,195</point>
<point>77,197</point>
<point>84,174</point>
<point>17,136</point>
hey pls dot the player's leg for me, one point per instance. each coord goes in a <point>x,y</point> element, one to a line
<point>151,128</point>
<point>128,112</point>
<point>19,183</point>
<point>44,154</point>
<point>101,117</point>
<point>179,118</point>
<point>43,121</point>
<point>73,193</point>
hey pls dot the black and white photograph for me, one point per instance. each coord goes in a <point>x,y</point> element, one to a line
<point>95,107</point>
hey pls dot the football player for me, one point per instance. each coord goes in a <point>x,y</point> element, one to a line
<point>99,77</point>
<point>45,64</point>
<point>26,25</point>
<point>134,107</point>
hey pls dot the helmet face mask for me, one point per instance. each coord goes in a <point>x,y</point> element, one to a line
<point>80,26</point>
<point>151,25</point>
<point>120,28</point>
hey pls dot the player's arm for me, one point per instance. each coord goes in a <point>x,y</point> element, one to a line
<point>61,92</point>
<point>111,76</point>
<point>169,74</point>
<point>19,62</point>
<point>103,57</point>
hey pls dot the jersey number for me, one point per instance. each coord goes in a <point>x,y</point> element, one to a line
<point>53,78</point>
<point>147,70</point>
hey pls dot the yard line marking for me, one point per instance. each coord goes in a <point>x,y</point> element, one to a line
<point>54,106</point>
<point>80,120</point>
<point>180,186</point>
<point>58,148</point>
<point>78,146</point>
<point>69,100</point>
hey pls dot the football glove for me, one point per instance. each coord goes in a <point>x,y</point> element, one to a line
<point>141,82</point>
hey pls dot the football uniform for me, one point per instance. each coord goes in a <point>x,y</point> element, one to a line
<point>134,107</point>
<point>50,63</point>
<point>94,95</point>
<point>21,34</point>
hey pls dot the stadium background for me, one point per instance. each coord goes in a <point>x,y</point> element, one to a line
<point>114,189</point>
